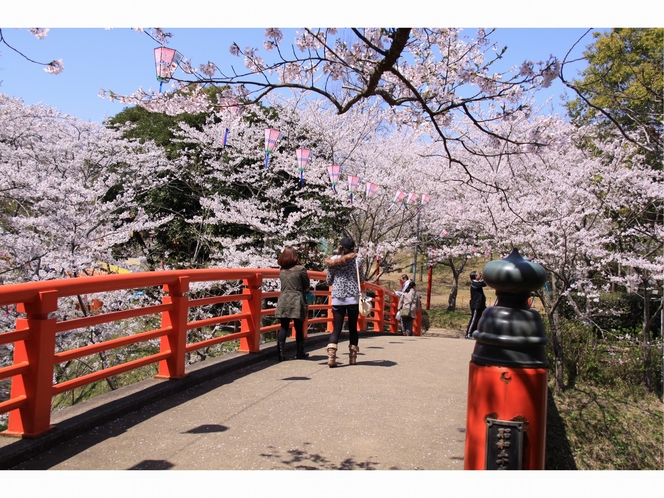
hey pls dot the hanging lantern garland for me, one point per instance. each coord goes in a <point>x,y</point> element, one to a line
<point>425,200</point>
<point>166,61</point>
<point>225,139</point>
<point>303,156</point>
<point>353,182</point>
<point>271,139</point>
<point>334,171</point>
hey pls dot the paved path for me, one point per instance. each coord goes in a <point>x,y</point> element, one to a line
<point>403,406</point>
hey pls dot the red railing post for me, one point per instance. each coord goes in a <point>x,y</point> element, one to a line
<point>34,418</point>
<point>394,324</point>
<point>253,306</point>
<point>328,312</point>
<point>379,310</point>
<point>176,340</point>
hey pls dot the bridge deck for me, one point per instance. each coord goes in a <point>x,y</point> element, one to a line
<point>403,406</point>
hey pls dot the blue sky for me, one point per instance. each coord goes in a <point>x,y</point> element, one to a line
<point>121,59</point>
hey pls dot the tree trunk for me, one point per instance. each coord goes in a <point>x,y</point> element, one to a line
<point>456,272</point>
<point>647,349</point>
<point>557,342</point>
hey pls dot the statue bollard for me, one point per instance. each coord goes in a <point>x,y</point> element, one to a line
<point>507,382</point>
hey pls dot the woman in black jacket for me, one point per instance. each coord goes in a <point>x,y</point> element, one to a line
<point>477,302</point>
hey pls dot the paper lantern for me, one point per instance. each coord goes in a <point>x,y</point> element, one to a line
<point>271,139</point>
<point>353,182</point>
<point>166,62</point>
<point>410,200</point>
<point>397,199</point>
<point>303,156</point>
<point>372,189</point>
<point>334,171</point>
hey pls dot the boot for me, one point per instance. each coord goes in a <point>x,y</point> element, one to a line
<point>332,355</point>
<point>352,354</point>
<point>281,348</point>
<point>301,355</point>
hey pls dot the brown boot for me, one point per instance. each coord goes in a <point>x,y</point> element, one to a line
<point>352,354</point>
<point>332,355</point>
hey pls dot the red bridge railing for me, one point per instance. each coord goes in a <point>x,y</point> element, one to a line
<point>34,334</point>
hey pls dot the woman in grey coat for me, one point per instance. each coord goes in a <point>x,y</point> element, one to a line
<point>292,304</point>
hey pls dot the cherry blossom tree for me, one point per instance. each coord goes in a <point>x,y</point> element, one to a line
<point>69,201</point>
<point>430,78</point>
<point>561,206</point>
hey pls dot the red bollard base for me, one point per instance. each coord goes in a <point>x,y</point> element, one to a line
<point>506,418</point>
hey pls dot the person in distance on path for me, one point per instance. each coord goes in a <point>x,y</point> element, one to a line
<point>477,302</point>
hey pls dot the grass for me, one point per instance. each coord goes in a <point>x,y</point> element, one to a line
<point>598,428</point>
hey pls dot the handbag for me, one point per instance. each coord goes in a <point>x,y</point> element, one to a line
<point>405,312</point>
<point>363,302</point>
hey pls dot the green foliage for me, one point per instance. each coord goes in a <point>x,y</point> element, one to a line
<point>611,359</point>
<point>624,77</point>
<point>441,318</point>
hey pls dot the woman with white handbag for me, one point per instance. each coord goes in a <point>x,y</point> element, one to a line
<point>408,303</point>
<point>345,273</point>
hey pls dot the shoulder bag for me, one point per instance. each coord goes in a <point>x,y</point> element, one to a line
<point>364,302</point>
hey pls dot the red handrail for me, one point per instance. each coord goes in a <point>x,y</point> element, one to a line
<point>34,336</point>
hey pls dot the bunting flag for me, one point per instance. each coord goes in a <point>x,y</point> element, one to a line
<point>397,199</point>
<point>303,156</point>
<point>271,139</point>
<point>334,171</point>
<point>372,190</point>
<point>353,182</point>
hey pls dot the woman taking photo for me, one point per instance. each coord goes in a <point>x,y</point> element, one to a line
<point>291,304</point>
<point>342,276</point>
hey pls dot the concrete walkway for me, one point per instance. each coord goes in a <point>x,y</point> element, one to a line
<point>403,406</point>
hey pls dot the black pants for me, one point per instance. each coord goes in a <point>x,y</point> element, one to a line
<point>285,326</point>
<point>338,314</point>
<point>474,320</point>
<point>407,325</point>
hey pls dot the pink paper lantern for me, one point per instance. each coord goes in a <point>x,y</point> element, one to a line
<point>271,139</point>
<point>353,182</point>
<point>412,197</point>
<point>166,62</point>
<point>334,171</point>
<point>397,199</point>
<point>372,189</point>
<point>302,161</point>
